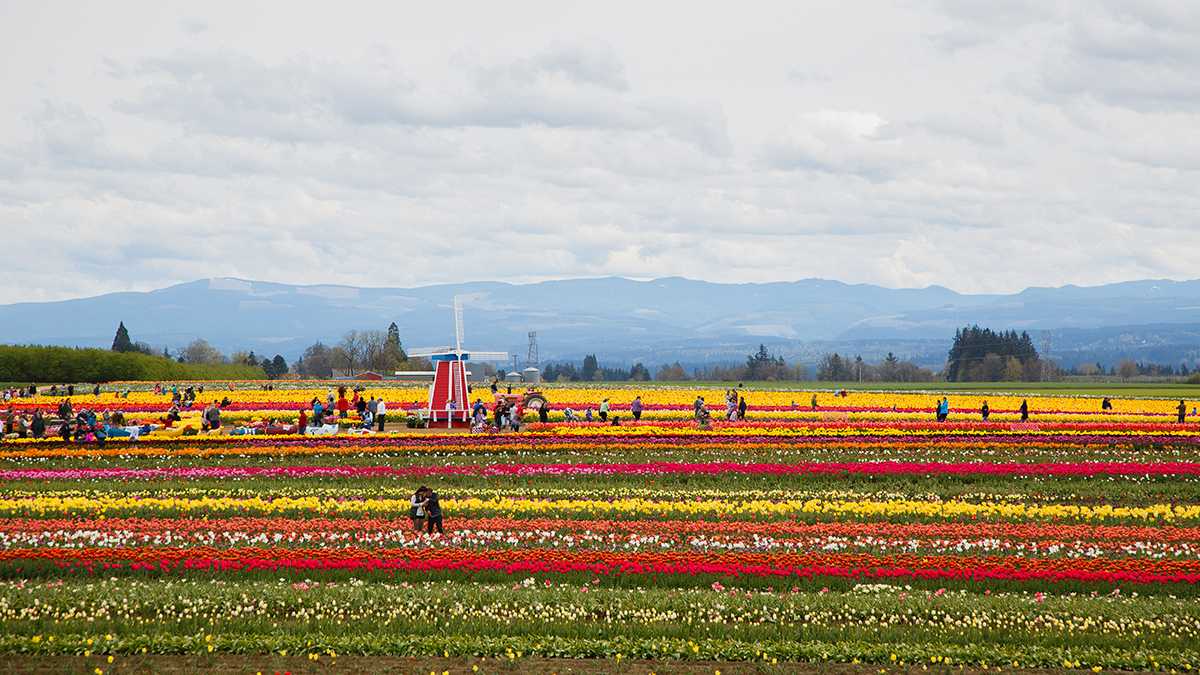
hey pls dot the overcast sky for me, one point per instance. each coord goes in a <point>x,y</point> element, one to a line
<point>980,145</point>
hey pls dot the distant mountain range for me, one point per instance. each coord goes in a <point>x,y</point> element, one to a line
<point>622,320</point>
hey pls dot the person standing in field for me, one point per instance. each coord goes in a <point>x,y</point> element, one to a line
<point>381,413</point>
<point>433,511</point>
<point>741,414</point>
<point>635,408</point>
<point>604,410</point>
<point>1182,408</point>
<point>985,411</point>
<point>214,416</point>
<point>302,421</point>
<point>698,406</point>
<point>38,424</point>
<point>1024,410</point>
<point>813,403</point>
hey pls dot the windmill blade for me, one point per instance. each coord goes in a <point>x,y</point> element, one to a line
<point>458,323</point>
<point>488,356</point>
<point>429,351</point>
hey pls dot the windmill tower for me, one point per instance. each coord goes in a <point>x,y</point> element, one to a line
<point>448,395</point>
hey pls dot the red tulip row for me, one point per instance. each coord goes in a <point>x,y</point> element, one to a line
<point>1030,531</point>
<point>799,565</point>
<point>1026,531</point>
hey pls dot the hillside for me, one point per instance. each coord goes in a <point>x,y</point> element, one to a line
<point>625,320</point>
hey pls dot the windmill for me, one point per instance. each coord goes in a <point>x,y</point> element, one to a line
<point>448,394</point>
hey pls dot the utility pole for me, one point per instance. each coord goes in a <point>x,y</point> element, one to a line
<point>1045,356</point>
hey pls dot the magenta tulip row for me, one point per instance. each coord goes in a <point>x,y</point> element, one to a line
<point>1065,469</point>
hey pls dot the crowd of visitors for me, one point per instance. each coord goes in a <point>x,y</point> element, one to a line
<point>331,414</point>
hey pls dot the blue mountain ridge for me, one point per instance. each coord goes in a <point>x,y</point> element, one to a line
<point>625,320</point>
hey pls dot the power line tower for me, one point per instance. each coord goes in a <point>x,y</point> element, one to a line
<point>531,359</point>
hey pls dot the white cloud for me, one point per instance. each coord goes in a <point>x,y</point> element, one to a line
<point>978,145</point>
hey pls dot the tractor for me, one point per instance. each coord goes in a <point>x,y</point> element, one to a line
<point>532,399</point>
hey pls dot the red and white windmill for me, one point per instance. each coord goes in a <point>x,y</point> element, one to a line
<point>448,395</point>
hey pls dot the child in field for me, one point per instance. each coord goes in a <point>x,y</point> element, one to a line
<point>416,509</point>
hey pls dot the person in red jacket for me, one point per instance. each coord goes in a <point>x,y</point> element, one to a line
<point>343,406</point>
<point>302,422</point>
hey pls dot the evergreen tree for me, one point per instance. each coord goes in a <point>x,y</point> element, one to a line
<point>588,372</point>
<point>392,347</point>
<point>121,342</point>
<point>983,354</point>
<point>762,366</point>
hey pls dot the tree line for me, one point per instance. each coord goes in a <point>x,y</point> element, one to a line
<point>36,363</point>
<point>983,355</point>
<point>1128,368</point>
<point>977,354</point>
<point>762,365</point>
<point>358,351</point>
<point>374,350</point>
<point>837,368</point>
<point>591,371</point>
<point>200,353</point>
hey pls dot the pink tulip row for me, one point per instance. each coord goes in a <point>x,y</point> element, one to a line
<point>1065,469</point>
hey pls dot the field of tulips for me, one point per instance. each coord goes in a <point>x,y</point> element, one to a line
<point>859,532</point>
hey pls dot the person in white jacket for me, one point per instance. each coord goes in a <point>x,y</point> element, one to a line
<point>381,414</point>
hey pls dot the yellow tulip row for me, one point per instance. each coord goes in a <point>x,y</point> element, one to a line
<point>622,395</point>
<point>949,509</point>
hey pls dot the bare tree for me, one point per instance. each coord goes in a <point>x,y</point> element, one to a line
<point>374,351</point>
<point>1127,369</point>
<point>317,361</point>
<point>348,355</point>
<point>199,351</point>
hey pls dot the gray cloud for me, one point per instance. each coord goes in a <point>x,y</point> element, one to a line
<point>980,146</point>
